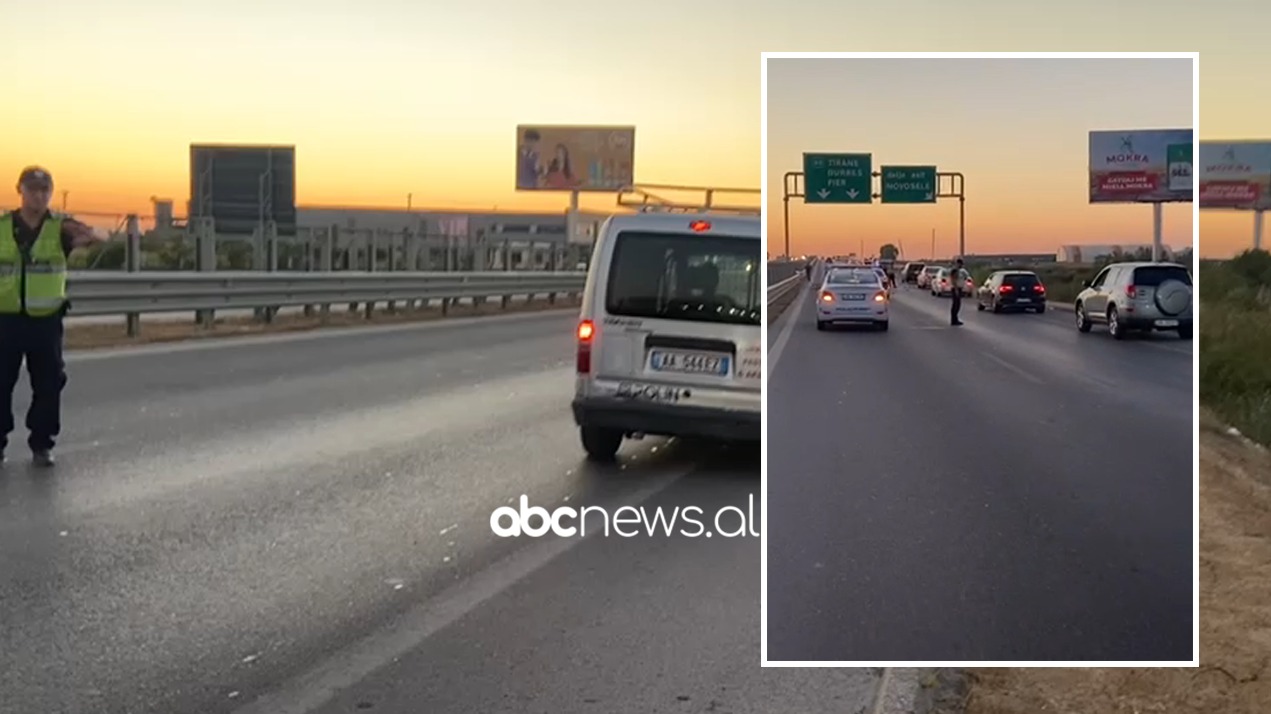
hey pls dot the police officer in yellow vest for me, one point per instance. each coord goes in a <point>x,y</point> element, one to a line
<point>34,246</point>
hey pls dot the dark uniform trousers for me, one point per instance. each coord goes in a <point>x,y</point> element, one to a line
<point>955,306</point>
<point>38,342</point>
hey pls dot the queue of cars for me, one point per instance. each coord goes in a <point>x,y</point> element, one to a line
<point>940,281</point>
<point>1126,297</point>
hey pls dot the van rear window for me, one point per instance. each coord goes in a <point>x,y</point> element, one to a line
<point>687,276</point>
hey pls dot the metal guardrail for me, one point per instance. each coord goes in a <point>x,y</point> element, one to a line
<point>100,293</point>
<point>783,288</point>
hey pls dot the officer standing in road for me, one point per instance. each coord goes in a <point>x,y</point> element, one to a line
<point>34,247</point>
<point>956,283</point>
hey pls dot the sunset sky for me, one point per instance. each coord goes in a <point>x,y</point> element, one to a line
<point>1017,129</point>
<point>387,98</point>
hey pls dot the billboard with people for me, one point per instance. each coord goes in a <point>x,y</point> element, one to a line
<point>574,158</point>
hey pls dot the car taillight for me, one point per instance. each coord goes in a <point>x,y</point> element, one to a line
<point>1005,289</point>
<point>1131,292</point>
<point>586,331</point>
<point>700,226</point>
<point>827,296</point>
<point>1039,288</point>
<point>879,297</point>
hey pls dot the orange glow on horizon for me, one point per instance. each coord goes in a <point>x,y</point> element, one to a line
<point>385,99</point>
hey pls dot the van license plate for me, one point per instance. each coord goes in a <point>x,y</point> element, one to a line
<point>689,362</point>
<point>1167,323</point>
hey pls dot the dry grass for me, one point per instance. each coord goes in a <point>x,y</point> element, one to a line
<point>1235,581</point>
<point>80,337</point>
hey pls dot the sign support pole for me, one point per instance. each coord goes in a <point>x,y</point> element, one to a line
<point>962,226</point>
<point>1257,229</point>
<point>790,177</point>
<point>957,189</point>
<point>1157,210</point>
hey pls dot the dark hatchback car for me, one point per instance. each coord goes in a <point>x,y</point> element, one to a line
<point>1012,290</point>
<point>910,273</point>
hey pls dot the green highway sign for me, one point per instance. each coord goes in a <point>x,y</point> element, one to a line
<point>837,178</point>
<point>909,184</point>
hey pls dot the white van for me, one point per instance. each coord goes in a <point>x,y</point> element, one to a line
<point>669,339</point>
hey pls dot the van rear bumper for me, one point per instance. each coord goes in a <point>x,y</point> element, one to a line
<point>662,420</point>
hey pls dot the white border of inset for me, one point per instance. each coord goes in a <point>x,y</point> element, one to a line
<point>763,567</point>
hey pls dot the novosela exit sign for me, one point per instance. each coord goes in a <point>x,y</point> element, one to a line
<point>909,184</point>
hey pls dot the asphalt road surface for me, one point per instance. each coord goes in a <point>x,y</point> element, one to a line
<point>1007,490</point>
<point>302,523</point>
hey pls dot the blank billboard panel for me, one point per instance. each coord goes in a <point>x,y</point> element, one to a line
<point>241,186</point>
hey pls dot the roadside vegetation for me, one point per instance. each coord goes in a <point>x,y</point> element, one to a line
<point>1235,334</point>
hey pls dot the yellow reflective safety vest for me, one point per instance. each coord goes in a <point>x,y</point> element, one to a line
<point>34,284</point>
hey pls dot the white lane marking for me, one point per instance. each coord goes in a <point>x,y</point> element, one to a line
<point>791,317</point>
<point>313,333</point>
<point>1017,370</point>
<point>320,685</point>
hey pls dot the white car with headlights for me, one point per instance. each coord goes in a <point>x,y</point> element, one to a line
<point>853,295</point>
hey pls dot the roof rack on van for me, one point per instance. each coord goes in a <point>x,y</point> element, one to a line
<point>643,200</point>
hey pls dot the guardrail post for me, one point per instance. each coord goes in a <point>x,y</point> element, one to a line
<point>370,308</point>
<point>205,242</point>
<point>133,319</point>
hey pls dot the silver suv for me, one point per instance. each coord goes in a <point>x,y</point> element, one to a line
<point>1138,296</point>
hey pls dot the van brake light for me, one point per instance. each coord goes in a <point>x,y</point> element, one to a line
<point>700,226</point>
<point>586,330</point>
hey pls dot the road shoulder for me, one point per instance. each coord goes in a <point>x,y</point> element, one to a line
<point>1235,674</point>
